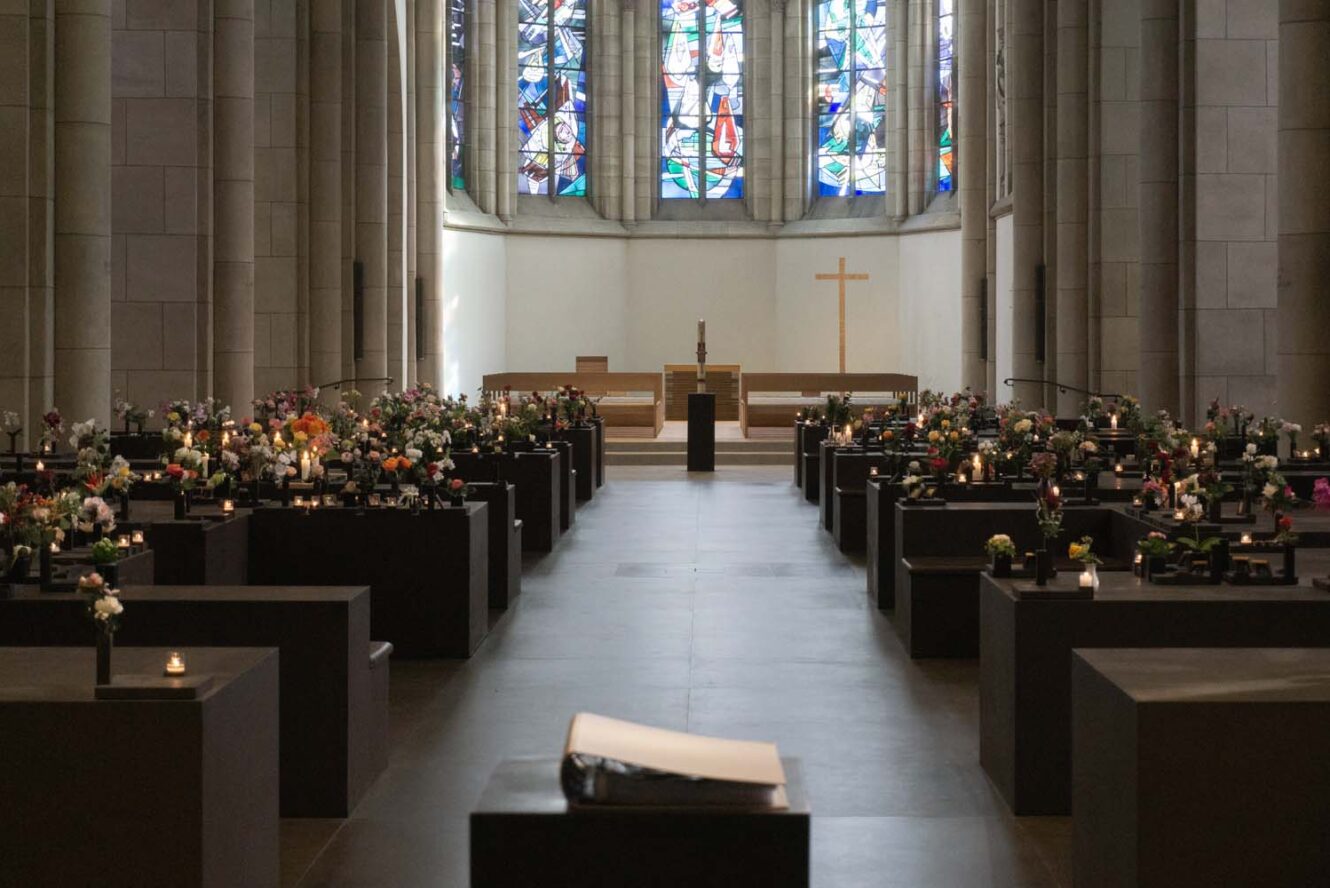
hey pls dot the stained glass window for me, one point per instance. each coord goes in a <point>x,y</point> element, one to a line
<point>702,99</point>
<point>946,95</point>
<point>851,97</point>
<point>551,97</point>
<point>456,93</point>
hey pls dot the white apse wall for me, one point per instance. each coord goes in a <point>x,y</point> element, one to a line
<point>535,302</point>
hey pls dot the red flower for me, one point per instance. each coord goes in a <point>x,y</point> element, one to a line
<point>1285,523</point>
<point>939,464</point>
<point>175,470</point>
<point>456,484</point>
<point>431,468</point>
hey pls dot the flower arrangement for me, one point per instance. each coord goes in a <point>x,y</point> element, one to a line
<point>105,551</point>
<point>1044,465</point>
<point>1083,551</point>
<point>1000,545</point>
<point>13,424</point>
<point>52,426</point>
<point>130,414</point>
<point>913,483</point>
<point>1048,506</point>
<point>839,412</point>
<point>1291,430</point>
<point>1154,545</point>
<point>95,514</point>
<point>104,607</point>
<point>458,490</point>
<point>1284,532</point>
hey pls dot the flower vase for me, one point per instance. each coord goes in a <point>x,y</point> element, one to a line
<point>1093,570</point>
<point>1043,561</point>
<point>1219,560</point>
<point>1214,509</point>
<point>1001,566</point>
<point>18,572</point>
<point>110,573</point>
<point>1290,562</point>
<point>44,565</point>
<point>104,657</point>
<point>181,500</point>
<point>124,507</point>
<point>395,488</point>
<point>1155,565</point>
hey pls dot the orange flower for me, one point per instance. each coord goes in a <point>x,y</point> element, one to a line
<point>309,424</point>
<point>403,463</point>
<point>202,435</point>
<point>390,464</point>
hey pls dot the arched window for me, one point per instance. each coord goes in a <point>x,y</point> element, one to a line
<point>456,94</point>
<point>552,97</point>
<point>702,100</point>
<point>946,95</point>
<point>851,97</point>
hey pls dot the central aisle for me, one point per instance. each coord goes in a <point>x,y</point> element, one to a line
<point>716,605</point>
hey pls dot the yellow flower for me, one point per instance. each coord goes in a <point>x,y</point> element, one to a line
<point>946,423</point>
<point>955,436</point>
<point>933,436</point>
<point>173,416</point>
<point>1077,551</point>
<point>255,428</point>
<point>300,437</point>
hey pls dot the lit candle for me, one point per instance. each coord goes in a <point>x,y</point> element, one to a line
<point>226,438</point>
<point>1087,581</point>
<point>1117,469</point>
<point>960,478</point>
<point>872,471</point>
<point>1139,558</point>
<point>122,542</point>
<point>1246,539</point>
<point>175,664</point>
<point>136,538</point>
<point>978,465</point>
<point>475,448</point>
<point>205,465</point>
<point>1113,421</point>
<point>189,439</point>
<point>228,507</point>
<point>298,501</point>
<point>55,547</point>
<point>1179,514</point>
<point>1057,491</point>
<point>41,466</point>
<point>1195,449</point>
<point>304,467</point>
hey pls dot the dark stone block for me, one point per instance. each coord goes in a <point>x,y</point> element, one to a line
<point>585,460</point>
<point>505,541</point>
<point>538,476</point>
<point>701,432</point>
<point>523,834</point>
<point>200,551</point>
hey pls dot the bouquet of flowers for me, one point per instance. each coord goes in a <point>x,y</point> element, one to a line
<point>1154,545</point>
<point>913,483</point>
<point>1000,545</point>
<point>1083,551</point>
<point>1048,506</point>
<point>130,414</point>
<point>52,426</point>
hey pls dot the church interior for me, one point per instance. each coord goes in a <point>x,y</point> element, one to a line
<point>664,443</point>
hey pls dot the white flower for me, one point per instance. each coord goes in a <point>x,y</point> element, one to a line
<point>1270,490</point>
<point>413,454</point>
<point>1023,426</point>
<point>108,606</point>
<point>1251,448</point>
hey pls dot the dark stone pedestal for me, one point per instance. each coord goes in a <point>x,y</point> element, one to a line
<point>1025,660</point>
<point>1197,768</point>
<point>329,726</point>
<point>505,541</point>
<point>701,432</point>
<point>538,476</point>
<point>523,834</point>
<point>880,496</point>
<point>199,551</point>
<point>138,792</point>
<point>585,460</point>
<point>851,471</point>
<point>599,425</point>
<point>428,573</point>
<point>937,606</point>
<point>811,477</point>
<point>567,485</point>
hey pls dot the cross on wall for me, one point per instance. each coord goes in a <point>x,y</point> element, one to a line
<point>841,277</point>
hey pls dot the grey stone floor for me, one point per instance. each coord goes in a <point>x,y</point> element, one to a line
<point>717,605</point>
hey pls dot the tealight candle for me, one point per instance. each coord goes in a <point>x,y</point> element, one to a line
<point>960,478</point>
<point>55,547</point>
<point>1117,469</point>
<point>298,501</point>
<point>175,664</point>
<point>136,537</point>
<point>1179,514</point>
<point>228,507</point>
<point>1246,539</point>
<point>330,499</point>
<point>41,466</point>
<point>1086,581</point>
<point>122,542</point>
<point>872,471</point>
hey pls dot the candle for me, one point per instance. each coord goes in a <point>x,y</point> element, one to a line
<point>1117,469</point>
<point>122,542</point>
<point>330,499</point>
<point>189,439</point>
<point>41,466</point>
<point>1179,514</point>
<point>872,471</point>
<point>205,466</point>
<point>304,467</point>
<point>55,547</point>
<point>1113,421</point>
<point>1087,581</point>
<point>136,538</point>
<point>175,665</point>
<point>1057,491</point>
<point>228,507</point>
<point>960,478</point>
<point>226,438</point>
<point>1246,539</point>
<point>978,465</point>
<point>1195,449</point>
<point>298,501</point>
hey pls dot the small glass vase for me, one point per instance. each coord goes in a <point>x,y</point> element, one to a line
<point>104,642</point>
<point>1001,566</point>
<point>181,501</point>
<point>1092,571</point>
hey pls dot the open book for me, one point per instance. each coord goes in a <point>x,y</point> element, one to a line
<point>612,762</point>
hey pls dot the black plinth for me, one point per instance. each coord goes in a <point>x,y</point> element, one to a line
<point>701,432</point>
<point>585,461</point>
<point>523,834</point>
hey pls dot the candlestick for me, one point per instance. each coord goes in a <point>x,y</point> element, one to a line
<point>175,665</point>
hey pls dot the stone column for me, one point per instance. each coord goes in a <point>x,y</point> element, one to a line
<point>430,123</point>
<point>798,110</point>
<point>371,111</point>
<point>325,195</point>
<point>1026,83</point>
<point>411,210</point>
<point>482,182</point>
<point>971,99</point>
<point>41,218</point>
<point>992,180</point>
<point>1158,191</point>
<point>920,112</point>
<point>628,113</point>
<point>898,121</point>
<point>1304,212</point>
<point>348,187</point>
<point>504,122</point>
<point>396,303</point>
<point>233,202</point>
<point>1073,202</point>
<point>83,209</point>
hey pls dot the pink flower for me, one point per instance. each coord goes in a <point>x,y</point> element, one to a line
<point>1321,493</point>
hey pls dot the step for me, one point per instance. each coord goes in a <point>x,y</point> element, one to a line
<point>648,445</point>
<point>680,458</point>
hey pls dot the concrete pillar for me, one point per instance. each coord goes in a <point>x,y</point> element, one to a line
<point>1025,38</point>
<point>325,195</point>
<point>41,218</point>
<point>504,123</point>
<point>233,202</point>
<point>898,120</point>
<point>411,373</point>
<point>348,187</point>
<point>777,68</point>
<point>971,99</point>
<point>83,209</point>
<point>1158,191</point>
<point>430,176</point>
<point>483,137</point>
<point>396,299</point>
<point>991,194</point>
<point>921,112</point>
<point>371,110</point>
<point>798,110</point>
<point>1304,211</point>
<point>628,111</point>
<point>18,112</point>
<point>1073,202</point>
<point>1050,134</point>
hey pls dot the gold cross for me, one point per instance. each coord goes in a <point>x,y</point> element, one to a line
<point>841,277</point>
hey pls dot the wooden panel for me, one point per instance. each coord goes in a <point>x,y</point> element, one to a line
<point>593,364</point>
<point>811,386</point>
<point>722,381</point>
<point>622,419</point>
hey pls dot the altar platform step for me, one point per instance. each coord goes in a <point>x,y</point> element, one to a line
<point>671,453</point>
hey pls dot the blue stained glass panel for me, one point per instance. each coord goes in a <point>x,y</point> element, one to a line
<point>851,96</point>
<point>946,117</point>
<point>552,97</point>
<point>456,93</point>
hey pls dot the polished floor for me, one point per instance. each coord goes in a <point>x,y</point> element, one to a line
<point>713,604</point>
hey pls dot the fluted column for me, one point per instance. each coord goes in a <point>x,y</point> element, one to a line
<point>972,145</point>
<point>1304,211</point>
<point>1158,190</point>
<point>1073,202</point>
<point>1026,83</point>
<point>797,110</point>
<point>325,194</point>
<point>898,122</point>
<point>628,113</point>
<point>233,202</point>
<point>396,302</point>
<point>430,170</point>
<point>920,114</point>
<point>83,209</point>
<point>372,183</point>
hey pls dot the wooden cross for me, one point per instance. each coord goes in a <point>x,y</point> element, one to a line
<point>841,277</point>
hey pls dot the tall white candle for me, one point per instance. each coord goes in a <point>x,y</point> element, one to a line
<point>304,467</point>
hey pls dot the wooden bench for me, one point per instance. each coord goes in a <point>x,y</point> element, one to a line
<point>632,404</point>
<point>770,400</point>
